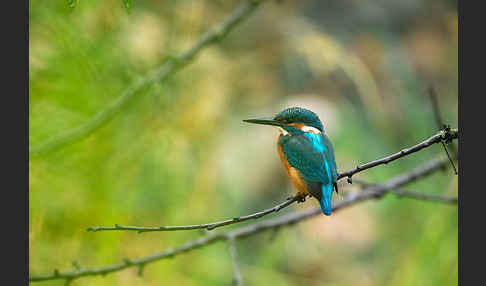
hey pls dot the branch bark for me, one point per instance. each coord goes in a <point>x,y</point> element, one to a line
<point>167,69</point>
<point>448,134</point>
<point>399,192</point>
<point>440,124</point>
<point>237,277</point>
<point>443,135</point>
<point>370,192</point>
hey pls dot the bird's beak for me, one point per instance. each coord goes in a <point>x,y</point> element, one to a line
<point>264,121</point>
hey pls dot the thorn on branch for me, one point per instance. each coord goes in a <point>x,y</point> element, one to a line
<point>170,253</point>
<point>140,270</point>
<point>76,265</point>
<point>219,33</point>
<point>450,159</point>
<point>350,180</point>
<point>204,231</point>
<point>447,139</point>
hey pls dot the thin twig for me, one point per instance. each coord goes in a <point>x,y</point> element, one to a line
<point>415,195</point>
<point>372,192</point>
<point>439,137</point>
<point>450,159</point>
<point>237,277</point>
<point>425,197</point>
<point>435,105</point>
<point>208,226</point>
<point>167,69</point>
<point>442,135</point>
<point>130,262</point>
<point>440,124</point>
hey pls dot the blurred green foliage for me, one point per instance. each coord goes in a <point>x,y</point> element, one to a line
<point>179,153</point>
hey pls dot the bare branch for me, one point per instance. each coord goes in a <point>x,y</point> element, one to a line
<point>449,156</point>
<point>167,69</point>
<point>415,195</point>
<point>130,262</point>
<point>440,124</point>
<point>208,226</point>
<point>436,108</point>
<point>442,135</point>
<point>371,192</point>
<point>425,197</point>
<point>237,277</point>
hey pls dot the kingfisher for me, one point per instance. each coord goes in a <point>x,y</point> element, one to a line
<point>306,154</point>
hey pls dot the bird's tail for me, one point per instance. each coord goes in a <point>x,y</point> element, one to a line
<point>326,198</point>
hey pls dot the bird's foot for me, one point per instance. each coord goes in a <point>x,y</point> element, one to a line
<point>301,198</point>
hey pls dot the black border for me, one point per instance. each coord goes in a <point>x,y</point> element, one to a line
<point>471,225</point>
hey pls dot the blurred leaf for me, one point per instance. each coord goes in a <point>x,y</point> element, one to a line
<point>128,5</point>
<point>72,3</point>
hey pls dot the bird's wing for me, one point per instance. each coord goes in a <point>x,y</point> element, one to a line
<point>311,155</point>
<point>330,156</point>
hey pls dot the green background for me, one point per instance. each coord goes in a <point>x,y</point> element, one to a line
<point>178,153</point>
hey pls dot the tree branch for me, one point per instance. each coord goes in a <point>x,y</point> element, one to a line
<point>440,124</point>
<point>208,226</point>
<point>237,277</point>
<point>415,195</point>
<point>443,135</point>
<point>447,134</point>
<point>435,106</point>
<point>167,69</point>
<point>425,197</point>
<point>371,192</point>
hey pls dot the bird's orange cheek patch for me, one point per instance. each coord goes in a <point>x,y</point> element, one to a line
<point>298,125</point>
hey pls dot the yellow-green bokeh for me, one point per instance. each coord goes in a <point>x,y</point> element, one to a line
<point>178,153</point>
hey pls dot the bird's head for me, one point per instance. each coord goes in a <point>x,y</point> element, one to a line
<point>293,120</point>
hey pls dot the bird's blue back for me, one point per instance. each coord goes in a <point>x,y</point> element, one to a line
<point>313,156</point>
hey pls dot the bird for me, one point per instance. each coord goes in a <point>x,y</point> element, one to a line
<point>306,153</point>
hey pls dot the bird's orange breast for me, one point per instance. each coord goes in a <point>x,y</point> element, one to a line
<point>293,173</point>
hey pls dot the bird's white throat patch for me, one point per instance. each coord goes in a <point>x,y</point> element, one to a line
<point>283,131</point>
<point>304,128</point>
<point>311,129</point>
